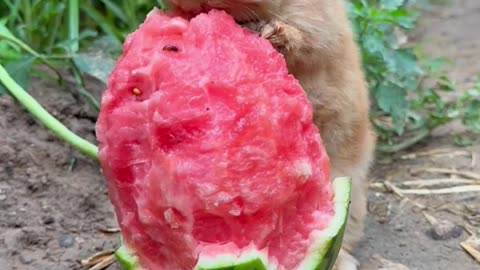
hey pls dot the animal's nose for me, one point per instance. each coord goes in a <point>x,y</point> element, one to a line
<point>206,8</point>
<point>187,6</point>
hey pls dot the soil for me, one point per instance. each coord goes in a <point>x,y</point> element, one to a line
<point>55,211</point>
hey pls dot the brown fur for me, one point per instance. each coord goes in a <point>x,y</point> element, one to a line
<point>319,47</point>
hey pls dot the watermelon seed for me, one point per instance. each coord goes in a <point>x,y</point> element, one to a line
<point>136,91</point>
<point>170,48</point>
<point>208,109</point>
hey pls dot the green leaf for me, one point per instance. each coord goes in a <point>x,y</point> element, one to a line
<point>436,65</point>
<point>392,99</point>
<point>97,65</point>
<point>403,18</point>
<point>445,84</point>
<point>391,4</point>
<point>373,42</point>
<point>5,33</point>
<point>8,51</point>
<point>462,141</point>
<point>405,62</point>
<point>20,71</point>
<point>100,59</point>
<point>472,116</point>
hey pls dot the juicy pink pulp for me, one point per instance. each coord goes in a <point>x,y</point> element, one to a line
<point>205,139</point>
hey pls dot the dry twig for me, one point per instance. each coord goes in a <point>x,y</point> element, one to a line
<point>100,260</point>
<point>436,152</point>
<point>471,246</point>
<point>450,190</point>
<point>435,182</point>
<point>428,182</point>
<point>397,192</point>
<point>109,230</point>
<point>425,191</point>
<point>470,175</point>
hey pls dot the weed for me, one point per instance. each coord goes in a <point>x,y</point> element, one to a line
<point>404,108</point>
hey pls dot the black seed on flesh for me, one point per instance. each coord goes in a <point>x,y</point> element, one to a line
<point>170,48</point>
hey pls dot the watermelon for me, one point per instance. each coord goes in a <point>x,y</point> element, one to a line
<point>210,153</point>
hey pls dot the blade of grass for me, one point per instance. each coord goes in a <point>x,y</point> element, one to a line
<point>81,87</point>
<point>106,26</point>
<point>73,24</point>
<point>130,11</point>
<point>46,118</point>
<point>115,9</point>
<point>56,29</point>
<point>13,11</point>
<point>27,14</point>
<point>43,74</point>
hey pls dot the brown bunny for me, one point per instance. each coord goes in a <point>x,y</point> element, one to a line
<point>316,38</point>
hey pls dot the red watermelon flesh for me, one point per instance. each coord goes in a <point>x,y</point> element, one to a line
<point>208,146</point>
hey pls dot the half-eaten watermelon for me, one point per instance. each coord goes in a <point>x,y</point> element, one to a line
<point>211,155</point>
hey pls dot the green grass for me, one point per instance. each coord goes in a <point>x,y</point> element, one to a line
<point>60,34</point>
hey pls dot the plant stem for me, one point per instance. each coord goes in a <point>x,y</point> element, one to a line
<point>32,52</point>
<point>390,149</point>
<point>73,30</point>
<point>46,118</point>
<point>81,87</point>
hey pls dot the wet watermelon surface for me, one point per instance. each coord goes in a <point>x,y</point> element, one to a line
<point>207,142</point>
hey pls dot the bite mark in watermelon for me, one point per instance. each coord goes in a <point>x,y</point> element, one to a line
<point>211,155</point>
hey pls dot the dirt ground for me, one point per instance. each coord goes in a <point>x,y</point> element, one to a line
<point>54,208</point>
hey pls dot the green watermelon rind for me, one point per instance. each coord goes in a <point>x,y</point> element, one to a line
<point>251,259</point>
<point>321,256</point>
<point>324,252</point>
<point>126,258</point>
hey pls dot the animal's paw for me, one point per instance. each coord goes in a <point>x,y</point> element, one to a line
<point>279,34</point>
<point>254,26</point>
<point>283,37</point>
<point>345,261</point>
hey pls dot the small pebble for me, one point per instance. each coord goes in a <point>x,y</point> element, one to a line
<point>399,227</point>
<point>11,237</point>
<point>66,240</point>
<point>3,197</point>
<point>380,263</point>
<point>444,230</point>
<point>25,259</point>
<point>48,220</point>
